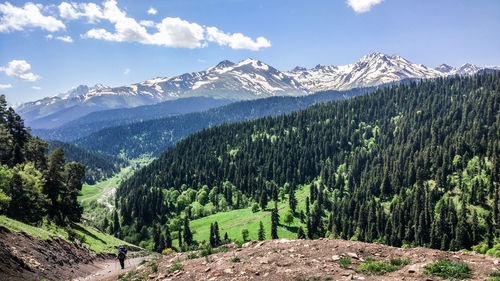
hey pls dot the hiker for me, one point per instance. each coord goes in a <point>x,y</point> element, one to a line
<point>122,254</point>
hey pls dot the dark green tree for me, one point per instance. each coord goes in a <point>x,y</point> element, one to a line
<point>262,232</point>
<point>275,220</point>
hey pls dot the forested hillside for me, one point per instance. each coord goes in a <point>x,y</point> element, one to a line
<point>34,186</point>
<point>155,136</point>
<point>98,166</point>
<point>96,121</point>
<point>412,164</point>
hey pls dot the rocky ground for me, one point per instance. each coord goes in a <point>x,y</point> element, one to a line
<point>24,258</point>
<point>291,259</point>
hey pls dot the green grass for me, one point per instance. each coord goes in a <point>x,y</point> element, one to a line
<point>234,221</point>
<point>345,262</point>
<point>235,259</point>
<point>94,239</point>
<point>399,262</point>
<point>174,267</point>
<point>376,268</point>
<point>449,269</point>
<point>100,189</point>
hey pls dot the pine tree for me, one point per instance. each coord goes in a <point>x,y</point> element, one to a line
<point>226,238</point>
<point>263,199</point>
<point>490,232</point>
<point>212,236</point>
<point>292,201</point>
<point>262,233</point>
<point>301,234</point>
<point>461,230</point>
<point>168,238</point>
<point>156,238</point>
<point>475,229</point>
<point>179,235</point>
<point>217,234</point>
<point>275,219</point>
<point>116,223</point>
<point>188,236</point>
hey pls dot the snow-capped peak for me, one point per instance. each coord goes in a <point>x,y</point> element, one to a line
<point>444,68</point>
<point>371,70</point>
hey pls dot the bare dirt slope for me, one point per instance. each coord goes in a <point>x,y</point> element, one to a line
<point>289,259</point>
<point>24,258</point>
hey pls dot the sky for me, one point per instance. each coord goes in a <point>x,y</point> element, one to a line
<point>48,47</point>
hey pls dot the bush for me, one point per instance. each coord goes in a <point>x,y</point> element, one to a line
<point>376,267</point>
<point>192,255</point>
<point>245,234</point>
<point>176,266</point>
<point>345,262</point>
<point>235,259</point>
<point>167,252</point>
<point>207,251</point>
<point>255,207</point>
<point>449,269</point>
<point>399,262</point>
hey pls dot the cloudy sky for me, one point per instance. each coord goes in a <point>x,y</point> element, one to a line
<point>48,47</point>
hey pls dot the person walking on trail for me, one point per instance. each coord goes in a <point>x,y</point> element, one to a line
<point>122,254</point>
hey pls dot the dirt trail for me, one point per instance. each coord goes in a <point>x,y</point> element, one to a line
<point>110,269</point>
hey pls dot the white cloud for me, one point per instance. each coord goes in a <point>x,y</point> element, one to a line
<point>20,69</point>
<point>36,88</point>
<point>17,18</point>
<point>362,6</point>
<point>5,86</point>
<point>170,32</point>
<point>126,71</point>
<point>175,32</point>
<point>49,36</point>
<point>66,39</point>
<point>236,40</point>
<point>73,11</point>
<point>147,23</point>
<point>152,11</point>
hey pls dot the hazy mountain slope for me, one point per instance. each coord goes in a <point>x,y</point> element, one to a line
<point>96,121</point>
<point>154,136</point>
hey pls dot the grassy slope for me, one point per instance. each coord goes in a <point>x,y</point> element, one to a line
<point>95,240</point>
<point>234,221</point>
<point>100,189</point>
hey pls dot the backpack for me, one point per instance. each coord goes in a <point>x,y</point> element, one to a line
<point>122,252</point>
<point>121,255</point>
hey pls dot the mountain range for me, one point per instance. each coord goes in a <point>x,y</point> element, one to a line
<point>247,79</point>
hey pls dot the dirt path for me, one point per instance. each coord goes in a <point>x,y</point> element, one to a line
<point>110,269</point>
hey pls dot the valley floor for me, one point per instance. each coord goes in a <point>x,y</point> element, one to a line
<point>292,259</point>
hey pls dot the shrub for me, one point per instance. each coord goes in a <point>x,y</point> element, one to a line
<point>167,251</point>
<point>207,251</point>
<point>154,266</point>
<point>449,269</point>
<point>376,267</point>
<point>244,234</point>
<point>345,262</point>
<point>192,255</point>
<point>399,262</point>
<point>235,259</point>
<point>176,266</point>
<point>255,207</point>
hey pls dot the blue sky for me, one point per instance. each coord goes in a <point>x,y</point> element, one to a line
<point>47,47</point>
